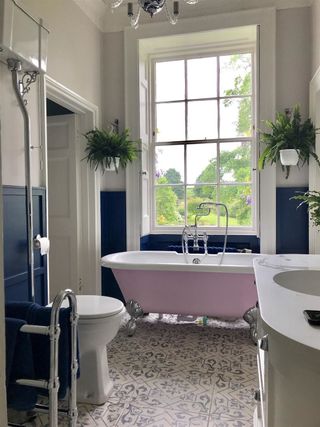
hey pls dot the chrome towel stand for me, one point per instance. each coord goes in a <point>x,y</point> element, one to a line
<point>52,385</point>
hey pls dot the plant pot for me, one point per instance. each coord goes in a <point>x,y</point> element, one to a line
<point>289,157</point>
<point>114,165</point>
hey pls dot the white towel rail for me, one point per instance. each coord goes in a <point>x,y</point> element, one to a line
<point>35,329</point>
<point>52,385</point>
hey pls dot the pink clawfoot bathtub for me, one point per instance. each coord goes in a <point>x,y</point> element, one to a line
<point>196,284</point>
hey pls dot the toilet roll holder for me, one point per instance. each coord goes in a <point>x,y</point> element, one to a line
<point>37,242</point>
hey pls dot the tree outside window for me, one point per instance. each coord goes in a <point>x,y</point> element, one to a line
<point>204,139</point>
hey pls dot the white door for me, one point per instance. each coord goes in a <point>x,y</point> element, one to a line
<point>63,201</point>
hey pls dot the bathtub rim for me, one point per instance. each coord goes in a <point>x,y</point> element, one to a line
<point>112,261</point>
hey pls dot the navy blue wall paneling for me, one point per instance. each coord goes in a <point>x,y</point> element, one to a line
<point>113,236</point>
<point>17,286</point>
<point>292,223</point>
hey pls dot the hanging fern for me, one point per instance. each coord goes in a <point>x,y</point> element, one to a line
<point>103,147</point>
<point>288,132</point>
<point>312,199</point>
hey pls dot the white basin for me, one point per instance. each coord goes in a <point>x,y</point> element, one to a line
<point>303,281</point>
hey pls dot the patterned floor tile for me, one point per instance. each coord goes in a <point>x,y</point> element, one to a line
<point>229,423</point>
<point>175,372</point>
<point>233,403</point>
<point>134,415</point>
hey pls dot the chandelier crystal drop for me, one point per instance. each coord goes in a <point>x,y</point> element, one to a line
<point>152,7</point>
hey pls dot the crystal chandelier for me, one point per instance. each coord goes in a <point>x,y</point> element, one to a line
<point>152,7</point>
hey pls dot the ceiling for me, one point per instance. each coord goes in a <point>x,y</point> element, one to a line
<point>107,20</point>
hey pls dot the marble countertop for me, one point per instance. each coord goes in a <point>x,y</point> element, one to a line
<point>281,308</point>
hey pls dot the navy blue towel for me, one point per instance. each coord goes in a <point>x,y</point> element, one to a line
<point>17,309</point>
<point>37,315</point>
<point>19,364</point>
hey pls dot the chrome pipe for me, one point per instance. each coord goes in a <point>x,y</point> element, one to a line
<point>207,204</point>
<point>15,67</point>
<point>54,384</point>
<point>185,239</point>
<point>73,411</point>
<point>54,352</point>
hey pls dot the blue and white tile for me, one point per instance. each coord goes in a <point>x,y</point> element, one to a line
<point>177,374</point>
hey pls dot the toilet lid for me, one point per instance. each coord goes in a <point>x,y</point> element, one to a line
<point>97,306</point>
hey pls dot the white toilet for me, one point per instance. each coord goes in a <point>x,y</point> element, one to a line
<point>99,322</point>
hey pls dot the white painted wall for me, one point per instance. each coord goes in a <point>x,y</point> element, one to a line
<point>12,133</point>
<point>75,43</point>
<point>315,26</point>
<point>293,75</point>
<point>113,97</point>
<point>74,60</point>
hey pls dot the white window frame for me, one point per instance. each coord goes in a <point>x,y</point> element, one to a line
<point>139,43</point>
<point>191,54</point>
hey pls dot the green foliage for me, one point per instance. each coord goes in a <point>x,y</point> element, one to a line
<point>208,175</point>
<point>288,132</point>
<point>174,177</point>
<point>194,202</point>
<point>238,200</point>
<point>103,146</point>
<point>312,199</point>
<point>235,164</point>
<point>167,204</point>
<point>242,85</point>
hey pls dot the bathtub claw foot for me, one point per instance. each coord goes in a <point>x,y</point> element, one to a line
<point>135,310</point>
<point>250,316</point>
<point>131,327</point>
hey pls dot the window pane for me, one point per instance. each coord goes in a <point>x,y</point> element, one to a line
<point>235,117</point>
<point>170,122</point>
<point>195,196</point>
<point>202,78</point>
<point>235,162</point>
<point>202,120</point>
<point>238,199</point>
<point>169,164</point>
<point>169,205</point>
<point>201,163</point>
<point>235,74</point>
<point>170,84</point>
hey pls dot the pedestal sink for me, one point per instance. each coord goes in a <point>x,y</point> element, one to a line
<point>304,281</point>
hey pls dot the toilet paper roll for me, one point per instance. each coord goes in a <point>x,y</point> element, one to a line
<point>42,243</point>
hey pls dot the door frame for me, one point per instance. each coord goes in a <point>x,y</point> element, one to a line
<point>314,172</point>
<point>89,249</point>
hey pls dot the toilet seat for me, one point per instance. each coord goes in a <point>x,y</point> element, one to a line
<point>97,306</point>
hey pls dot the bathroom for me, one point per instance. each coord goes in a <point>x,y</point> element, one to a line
<point>92,72</point>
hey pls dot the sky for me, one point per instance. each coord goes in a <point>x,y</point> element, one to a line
<point>203,81</point>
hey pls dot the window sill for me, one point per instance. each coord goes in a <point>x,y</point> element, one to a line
<point>233,231</point>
